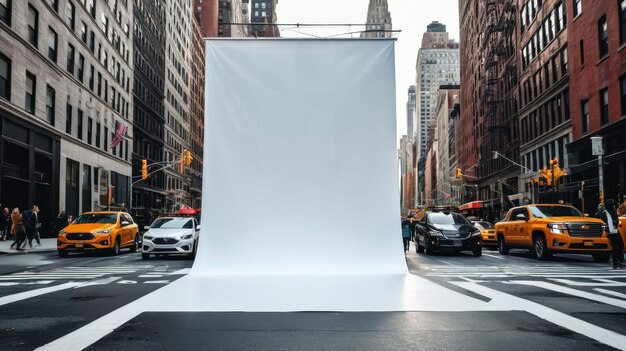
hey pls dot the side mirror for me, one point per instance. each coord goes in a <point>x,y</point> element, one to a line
<point>146,227</point>
<point>124,223</point>
<point>198,227</point>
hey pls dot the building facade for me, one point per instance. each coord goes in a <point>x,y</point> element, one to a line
<point>65,98</point>
<point>597,85</point>
<point>448,98</point>
<point>148,196</point>
<point>437,64</point>
<point>208,14</point>
<point>263,18</point>
<point>378,23</point>
<point>196,113</point>
<point>233,18</point>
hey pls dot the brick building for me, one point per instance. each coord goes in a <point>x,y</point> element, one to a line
<point>597,65</point>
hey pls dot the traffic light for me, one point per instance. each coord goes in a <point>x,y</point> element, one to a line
<point>144,169</point>
<point>554,162</point>
<point>188,157</point>
<point>457,173</point>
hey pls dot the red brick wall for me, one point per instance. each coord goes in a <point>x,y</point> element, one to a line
<point>208,16</point>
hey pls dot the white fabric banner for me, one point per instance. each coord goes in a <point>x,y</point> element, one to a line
<point>300,160</point>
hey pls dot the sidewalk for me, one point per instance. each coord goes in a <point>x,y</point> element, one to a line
<point>47,244</point>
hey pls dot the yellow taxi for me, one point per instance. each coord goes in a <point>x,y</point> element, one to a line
<point>487,233</point>
<point>621,228</point>
<point>96,231</point>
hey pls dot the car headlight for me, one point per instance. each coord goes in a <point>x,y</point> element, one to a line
<point>557,228</point>
<point>435,233</point>
<point>62,232</point>
<point>475,233</point>
<point>186,237</point>
<point>104,231</point>
<point>147,237</point>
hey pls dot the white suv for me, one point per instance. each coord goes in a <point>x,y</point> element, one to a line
<point>171,235</point>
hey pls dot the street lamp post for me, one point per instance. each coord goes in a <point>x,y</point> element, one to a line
<point>598,150</point>
<point>495,156</point>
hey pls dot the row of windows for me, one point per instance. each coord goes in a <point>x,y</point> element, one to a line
<point>554,22</point>
<point>529,12</point>
<point>545,118</point>
<point>603,105</point>
<point>552,71</point>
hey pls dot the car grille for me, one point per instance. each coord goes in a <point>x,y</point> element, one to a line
<point>79,236</point>
<point>591,230</point>
<point>582,246</point>
<point>456,235</point>
<point>162,250</point>
<point>165,241</point>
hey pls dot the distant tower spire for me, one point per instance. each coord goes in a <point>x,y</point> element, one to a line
<point>378,23</point>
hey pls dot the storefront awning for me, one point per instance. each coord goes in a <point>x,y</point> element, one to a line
<point>471,205</point>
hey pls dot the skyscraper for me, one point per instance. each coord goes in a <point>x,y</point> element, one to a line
<point>263,17</point>
<point>410,113</point>
<point>378,23</point>
<point>437,64</point>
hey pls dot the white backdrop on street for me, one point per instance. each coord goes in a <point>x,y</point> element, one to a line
<point>300,160</point>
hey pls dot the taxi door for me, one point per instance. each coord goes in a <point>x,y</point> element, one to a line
<point>516,228</point>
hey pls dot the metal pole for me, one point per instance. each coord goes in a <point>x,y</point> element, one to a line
<point>601,179</point>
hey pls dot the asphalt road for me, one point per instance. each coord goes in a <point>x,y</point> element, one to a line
<point>43,298</point>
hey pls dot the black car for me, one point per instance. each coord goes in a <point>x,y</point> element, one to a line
<point>447,231</point>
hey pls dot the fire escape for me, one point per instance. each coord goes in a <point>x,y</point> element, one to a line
<point>498,83</point>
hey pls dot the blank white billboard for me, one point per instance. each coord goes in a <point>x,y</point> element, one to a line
<point>300,160</point>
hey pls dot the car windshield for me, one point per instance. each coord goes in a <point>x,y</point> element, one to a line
<point>483,225</point>
<point>85,218</point>
<point>554,211</point>
<point>447,218</point>
<point>173,223</point>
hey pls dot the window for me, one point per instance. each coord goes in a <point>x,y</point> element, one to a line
<point>5,77</point>
<point>91,77</point>
<point>31,83</point>
<point>92,42</point>
<point>99,83</point>
<point>70,12</point>
<point>91,7</point>
<point>54,4</point>
<point>33,22</point>
<point>578,7</point>
<point>79,124</point>
<point>603,36</point>
<point>5,11</point>
<point>81,66</point>
<point>83,32</point>
<point>584,114</point>
<point>50,104</point>
<point>52,44</point>
<point>97,134</point>
<point>89,130</point>
<point>106,138</point>
<point>622,87</point>
<point>564,62</point>
<point>68,118</point>
<point>604,106</point>
<point>622,21</point>
<point>582,52</point>
<point>70,58</point>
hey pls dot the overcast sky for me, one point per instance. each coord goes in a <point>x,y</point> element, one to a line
<point>409,16</point>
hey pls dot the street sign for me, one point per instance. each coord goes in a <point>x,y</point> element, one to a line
<point>596,146</point>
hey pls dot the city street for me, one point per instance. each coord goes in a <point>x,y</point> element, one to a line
<point>43,297</point>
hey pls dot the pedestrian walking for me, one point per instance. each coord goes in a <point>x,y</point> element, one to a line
<point>17,229</point>
<point>406,234</point>
<point>6,223</point>
<point>30,220</point>
<point>609,216</point>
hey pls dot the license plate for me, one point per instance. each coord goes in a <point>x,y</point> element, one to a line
<point>79,245</point>
<point>588,243</point>
<point>456,243</point>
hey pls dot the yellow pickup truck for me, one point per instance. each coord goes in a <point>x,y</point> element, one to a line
<point>549,229</point>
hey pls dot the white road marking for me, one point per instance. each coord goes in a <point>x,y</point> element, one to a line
<point>591,283</point>
<point>36,292</point>
<point>127,282</point>
<point>150,276</point>
<point>573,292</point>
<point>493,256</point>
<point>564,320</point>
<point>100,282</point>
<point>157,282</point>
<point>8,284</point>
<point>610,292</point>
<point>442,261</point>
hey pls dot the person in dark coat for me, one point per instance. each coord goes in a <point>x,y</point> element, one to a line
<point>609,216</point>
<point>60,222</point>
<point>6,223</point>
<point>30,220</point>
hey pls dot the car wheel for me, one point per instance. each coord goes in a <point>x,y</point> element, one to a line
<point>477,251</point>
<point>418,248</point>
<point>502,247</point>
<point>541,249</point>
<point>62,253</point>
<point>192,255</point>
<point>601,257</point>
<point>427,247</point>
<point>135,244</point>
<point>116,247</point>
<point>145,256</point>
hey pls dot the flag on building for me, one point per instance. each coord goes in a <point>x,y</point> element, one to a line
<point>120,129</point>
